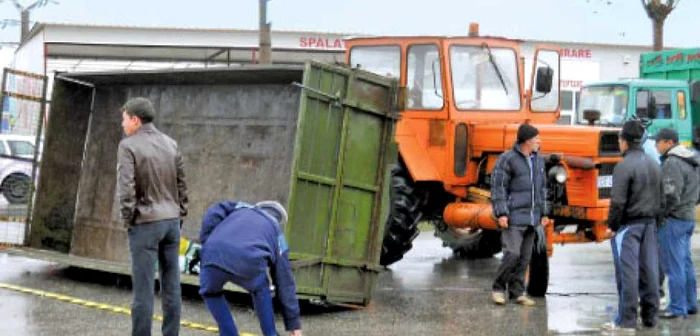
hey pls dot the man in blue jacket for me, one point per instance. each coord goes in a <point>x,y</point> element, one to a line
<point>240,243</point>
<point>518,195</point>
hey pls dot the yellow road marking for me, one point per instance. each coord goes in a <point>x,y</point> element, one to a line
<point>105,307</point>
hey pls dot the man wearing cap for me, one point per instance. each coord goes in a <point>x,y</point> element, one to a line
<point>635,207</point>
<point>240,243</point>
<point>518,195</point>
<point>152,198</point>
<point>680,176</point>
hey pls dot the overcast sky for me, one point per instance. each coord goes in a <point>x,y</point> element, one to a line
<point>607,21</point>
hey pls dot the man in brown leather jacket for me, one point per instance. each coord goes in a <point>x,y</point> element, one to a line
<point>153,201</point>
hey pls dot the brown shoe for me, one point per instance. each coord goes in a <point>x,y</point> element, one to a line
<point>525,301</point>
<point>498,298</point>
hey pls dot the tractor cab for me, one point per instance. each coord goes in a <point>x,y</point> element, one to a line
<point>450,84</point>
<point>464,78</point>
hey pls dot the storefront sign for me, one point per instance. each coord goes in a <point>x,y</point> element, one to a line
<point>575,53</point>
<point>321,42</point>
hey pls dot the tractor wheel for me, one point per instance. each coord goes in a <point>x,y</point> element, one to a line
<point>15,188</point>
<point>468,243</point>
<point>402,225</point>
<point>538,274</point>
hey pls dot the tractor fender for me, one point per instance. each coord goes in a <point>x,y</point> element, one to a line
<point>417,159</point>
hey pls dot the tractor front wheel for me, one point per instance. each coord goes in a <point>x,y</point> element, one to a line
<point>538,274</point>
<point>402,225</point>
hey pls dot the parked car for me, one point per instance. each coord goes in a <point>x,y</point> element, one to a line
<point>16,156</point>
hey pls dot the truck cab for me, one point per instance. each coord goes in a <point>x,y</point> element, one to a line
<point>665,103</point>
<point>667,94</point>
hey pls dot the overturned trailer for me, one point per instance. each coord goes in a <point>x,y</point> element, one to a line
<point>319,138</point>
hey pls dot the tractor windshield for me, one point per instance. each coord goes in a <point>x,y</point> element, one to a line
<point>609,100</point>
<point>485,78</point>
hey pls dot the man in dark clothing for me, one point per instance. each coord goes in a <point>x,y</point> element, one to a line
<point>518,195</point>
<point>680,171</point>
<point>153,201</point>
<point>240,243</point>
<point>634,208</point>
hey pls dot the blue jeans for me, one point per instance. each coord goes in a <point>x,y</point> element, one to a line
<point>211,282</point>
<point>674,246</point>
<point>150,243</point>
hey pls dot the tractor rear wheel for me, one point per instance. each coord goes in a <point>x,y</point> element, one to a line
<point>469,243</point>
<point>538,274</point>
<point>402,225</point>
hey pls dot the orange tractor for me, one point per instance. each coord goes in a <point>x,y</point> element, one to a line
<point>461,101</point>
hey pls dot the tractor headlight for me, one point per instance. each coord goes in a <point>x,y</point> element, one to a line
<point>558,173</point>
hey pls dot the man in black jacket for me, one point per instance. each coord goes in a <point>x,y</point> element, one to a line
<point>518,195</point>
<point>681,187</point>
<point>635,205</point>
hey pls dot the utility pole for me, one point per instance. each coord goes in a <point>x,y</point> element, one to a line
<point>265,40</point>
<point>24,19</point>
<point>24,15</point>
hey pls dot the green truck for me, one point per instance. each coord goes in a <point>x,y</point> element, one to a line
<point>667,92</point>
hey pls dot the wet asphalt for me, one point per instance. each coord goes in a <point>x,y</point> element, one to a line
<point>427,293</point>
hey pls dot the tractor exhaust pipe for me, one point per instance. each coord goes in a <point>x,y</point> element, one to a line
<point>473,29</point>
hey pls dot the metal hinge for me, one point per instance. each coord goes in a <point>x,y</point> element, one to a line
<point>335,99</point>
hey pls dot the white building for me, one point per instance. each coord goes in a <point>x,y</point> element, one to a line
<point>63,47</point>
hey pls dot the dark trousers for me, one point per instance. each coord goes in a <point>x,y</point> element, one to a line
<point>635,252</point>
<point>150,243</point>
<point>517,244</point>
<point>674,245</point>
<point>212,280</point>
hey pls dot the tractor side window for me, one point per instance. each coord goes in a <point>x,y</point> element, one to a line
<point>423,79</point>
<point>654,104</point>
<point>680,100</point>
<point>382,60</point>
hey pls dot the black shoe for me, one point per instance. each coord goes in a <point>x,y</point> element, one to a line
<point>692,312</point>
<point>668,315</point>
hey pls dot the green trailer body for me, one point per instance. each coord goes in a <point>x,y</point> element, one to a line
<point>679,64</point>
<point>319,138</point>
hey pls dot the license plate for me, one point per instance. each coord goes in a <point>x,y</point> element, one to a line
<point>605,181</point>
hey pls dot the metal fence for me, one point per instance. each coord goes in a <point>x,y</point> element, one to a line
<point>24,107</point>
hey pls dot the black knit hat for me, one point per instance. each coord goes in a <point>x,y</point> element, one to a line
<point>632,131</point>
<point>526,132</point>
<point>667,134</point>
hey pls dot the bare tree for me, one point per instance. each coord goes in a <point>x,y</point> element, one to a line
<point>658,11</point>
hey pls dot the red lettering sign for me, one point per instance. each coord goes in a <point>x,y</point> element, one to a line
<point>694,57</point>
<point>675,58</point>
<point>321,43</point>
<point>575,53</point>
<point>571,83</point>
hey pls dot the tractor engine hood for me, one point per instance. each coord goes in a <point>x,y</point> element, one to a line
<point>577,141</point>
